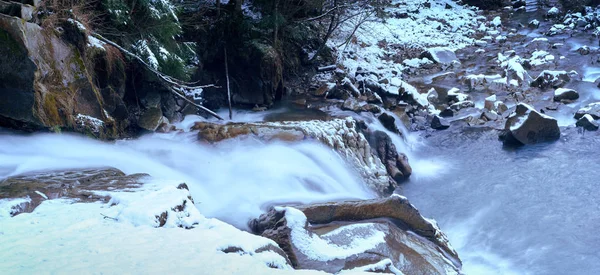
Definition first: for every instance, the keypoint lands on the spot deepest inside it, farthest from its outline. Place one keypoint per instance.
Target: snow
(417, 62)
(41, 194)
(78, 24)
(65, 237)
(85, 121)
(317, 248)
(553, 11)
(560, 91)
(373, 268)
(93, 42)
(496, 22)
(418, 31)
(456, 93)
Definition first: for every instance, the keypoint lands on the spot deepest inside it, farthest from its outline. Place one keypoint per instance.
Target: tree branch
(174, 85)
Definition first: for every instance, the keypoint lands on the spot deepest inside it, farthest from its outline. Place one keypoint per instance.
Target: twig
(228, 89)
(107, 217)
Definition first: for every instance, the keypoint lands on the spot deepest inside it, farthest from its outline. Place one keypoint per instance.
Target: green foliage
(151, 29)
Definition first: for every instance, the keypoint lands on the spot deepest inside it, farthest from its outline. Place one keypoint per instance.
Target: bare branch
(174, 85)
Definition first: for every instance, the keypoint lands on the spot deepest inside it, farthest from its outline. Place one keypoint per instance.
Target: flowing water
(531, 210)
(234, 181)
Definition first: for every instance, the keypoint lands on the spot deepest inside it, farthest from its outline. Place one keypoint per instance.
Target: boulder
(441, 55)
(439, 123)
(384, 224)
(447, 113)
(151, 119)
(592, 109)
(527, 126)
(587, 122)
(454, 95)
(490, 103)
(565, 94)
(389, 122)
(584, 50)
(554, 79)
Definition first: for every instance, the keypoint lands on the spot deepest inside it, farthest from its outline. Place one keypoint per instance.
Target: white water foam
(234, 181)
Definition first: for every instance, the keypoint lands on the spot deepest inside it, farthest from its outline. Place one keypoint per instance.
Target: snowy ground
(62, 236)
(377, 42)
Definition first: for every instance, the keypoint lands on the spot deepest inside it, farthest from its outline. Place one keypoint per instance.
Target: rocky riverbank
(524, 77)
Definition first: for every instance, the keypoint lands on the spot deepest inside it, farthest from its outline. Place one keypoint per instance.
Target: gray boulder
(587, 122)
(527, 126)
(561, 94)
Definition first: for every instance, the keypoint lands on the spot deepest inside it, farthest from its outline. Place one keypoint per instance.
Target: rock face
(527, 126)
(339, 134)
(382, 224)
(47, 82)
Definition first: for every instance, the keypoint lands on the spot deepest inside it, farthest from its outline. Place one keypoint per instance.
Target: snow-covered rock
(565, 94)
(548, 78)
(358, 241)
(527, 126)
(592, 109)
(587, 122)
(441, 55)
(454, 95)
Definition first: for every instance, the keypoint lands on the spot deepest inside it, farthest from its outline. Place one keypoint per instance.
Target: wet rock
(584, 50)
(396, 164)
(441, 55)
(587, 122)
(565, 94)
(371, 108)
(151, 119)
(527, 126)
(501, 108)
(439, 123)
(389, 122)
(554, 79)
(351, 104)
(432, 96)
(340, 224)
(74, 184)
(447, 113)
(592, 109)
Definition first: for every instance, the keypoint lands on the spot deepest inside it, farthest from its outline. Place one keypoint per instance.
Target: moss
(50, 107)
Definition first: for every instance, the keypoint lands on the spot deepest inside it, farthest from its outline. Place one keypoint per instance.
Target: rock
(151, 119)
(350, 87)
(554, 79)
(441, 55)
(371, 108)
(73, 184)
(587, 122)
(584, 50)
(340, 224)
(432, 96)
(325, 89)
(454, 95)
(534, 24)
(439, 123)
(489, 103)
(592, 109)
(351, 104)
(46, 82)
(489, 115)
(565, 94)
(396, 164)
(500, 107)
(447, 113)
(389, 122)
(462, 105)
(527, 126)
(496, 22)
(553, 12)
